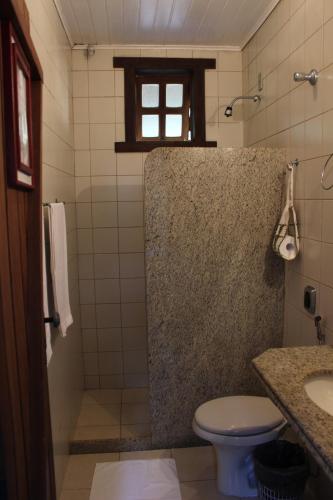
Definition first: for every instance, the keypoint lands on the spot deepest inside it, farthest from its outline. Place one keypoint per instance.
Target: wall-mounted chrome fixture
(90, 51)
(228, 109)
(311, 77)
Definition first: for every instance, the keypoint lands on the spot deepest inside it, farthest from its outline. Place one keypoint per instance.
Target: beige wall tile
(101, 83)
(104, 188)
(105, 240)
(107, 291)
(102, 136)
(130, 214)
(82, 163)
(108, 315)
(80, 84)
(81, 110)
(88, 316)
(131, 240)
(86, 266)
(327, 234)
(129, 164)
(109, 339)
(102, 110)
(133, 315)
(133, 290)
(104, 214)
(89, 339)
(102, 60)
(110, 363)
(79, 60)
(134, 338)
(103, 162)
(135, 362)
(87, 291)
(106, 266)
(90, 361)
(132, 265)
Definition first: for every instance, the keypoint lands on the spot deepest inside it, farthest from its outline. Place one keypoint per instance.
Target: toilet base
(235, 471)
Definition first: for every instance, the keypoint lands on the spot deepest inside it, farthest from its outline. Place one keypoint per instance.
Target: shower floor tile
(112, 420)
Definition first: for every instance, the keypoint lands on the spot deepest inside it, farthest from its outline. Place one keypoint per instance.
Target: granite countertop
(284, 371)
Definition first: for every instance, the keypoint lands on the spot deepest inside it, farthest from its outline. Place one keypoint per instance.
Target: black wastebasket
(281, 469)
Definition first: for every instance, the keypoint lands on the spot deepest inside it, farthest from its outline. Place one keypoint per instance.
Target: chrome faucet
(320, 335)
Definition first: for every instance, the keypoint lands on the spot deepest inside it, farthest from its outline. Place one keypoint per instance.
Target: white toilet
(235, 426)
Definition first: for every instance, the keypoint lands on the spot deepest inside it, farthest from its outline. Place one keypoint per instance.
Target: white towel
(46, 300)
(136, 480)
(59, 266)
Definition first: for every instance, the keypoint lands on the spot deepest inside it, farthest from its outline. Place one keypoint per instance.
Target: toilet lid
(238, 416)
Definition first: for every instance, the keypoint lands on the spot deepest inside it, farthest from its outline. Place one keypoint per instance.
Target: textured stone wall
(214, 286)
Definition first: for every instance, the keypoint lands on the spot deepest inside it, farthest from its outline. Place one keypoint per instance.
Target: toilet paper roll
(288, 249)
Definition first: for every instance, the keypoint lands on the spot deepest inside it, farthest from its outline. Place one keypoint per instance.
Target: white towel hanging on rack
(59, 265)
(286, 242)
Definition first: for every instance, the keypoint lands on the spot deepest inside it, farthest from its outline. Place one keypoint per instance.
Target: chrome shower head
(228, 109)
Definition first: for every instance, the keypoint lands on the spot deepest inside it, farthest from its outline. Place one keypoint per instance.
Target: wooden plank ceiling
(162, 22)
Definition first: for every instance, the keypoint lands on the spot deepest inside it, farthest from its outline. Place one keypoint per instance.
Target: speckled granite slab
(283, 372)
(214, 286)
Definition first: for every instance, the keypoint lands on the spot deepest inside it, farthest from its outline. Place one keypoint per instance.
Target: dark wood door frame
(25, 428)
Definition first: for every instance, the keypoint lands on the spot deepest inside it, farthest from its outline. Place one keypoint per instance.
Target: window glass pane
(173, 125)
(150, 95)
(150, 125)
(174, 95)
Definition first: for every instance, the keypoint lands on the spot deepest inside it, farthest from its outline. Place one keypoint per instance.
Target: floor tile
(136, 413)
(145, 455)
(102, 396)
(135, 395)
(202, 490)
(135, 431)
(75, 495)
(91, 432)
(94, 415)
(80, 469)
(195, 464)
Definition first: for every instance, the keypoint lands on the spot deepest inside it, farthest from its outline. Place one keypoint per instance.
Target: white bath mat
(136, 480)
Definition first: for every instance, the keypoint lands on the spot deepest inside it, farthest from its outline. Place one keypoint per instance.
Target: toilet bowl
(235, 426)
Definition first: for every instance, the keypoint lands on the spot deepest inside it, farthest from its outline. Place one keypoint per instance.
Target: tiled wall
(298, 36)
(109, 195)
(65, 368)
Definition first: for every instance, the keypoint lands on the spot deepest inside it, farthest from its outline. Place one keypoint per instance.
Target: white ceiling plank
(131, 20)
(174, 31)
(99, 19)
(147, 17)
(195, 16)
(115, 17)
(215, 11)
(83, 16)
(163, 22)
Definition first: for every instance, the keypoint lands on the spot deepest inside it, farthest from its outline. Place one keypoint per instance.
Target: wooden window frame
(138, 69)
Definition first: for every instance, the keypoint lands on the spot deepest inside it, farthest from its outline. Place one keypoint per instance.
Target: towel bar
(55, 320)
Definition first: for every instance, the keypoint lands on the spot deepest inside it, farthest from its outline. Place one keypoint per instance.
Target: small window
(162, 110)
(164, 102)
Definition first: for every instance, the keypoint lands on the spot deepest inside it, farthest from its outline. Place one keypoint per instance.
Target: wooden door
(25, 431)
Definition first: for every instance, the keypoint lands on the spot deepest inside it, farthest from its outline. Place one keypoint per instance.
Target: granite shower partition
(214, 285)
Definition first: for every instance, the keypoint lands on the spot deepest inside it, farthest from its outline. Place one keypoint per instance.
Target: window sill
(146, 146)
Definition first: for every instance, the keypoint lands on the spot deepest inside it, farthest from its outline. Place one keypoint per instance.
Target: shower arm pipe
(255, 98)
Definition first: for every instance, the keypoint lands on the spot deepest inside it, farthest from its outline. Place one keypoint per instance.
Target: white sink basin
(319, 388)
